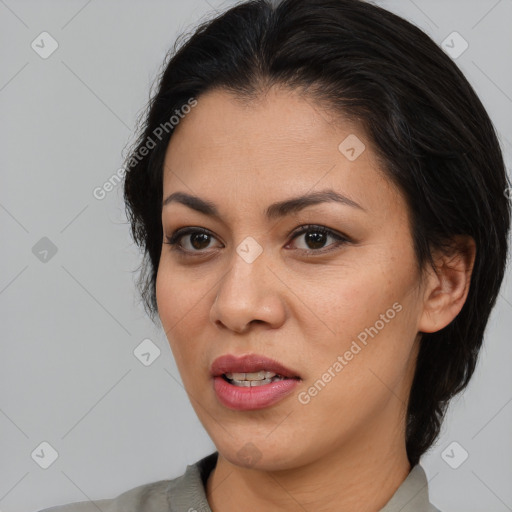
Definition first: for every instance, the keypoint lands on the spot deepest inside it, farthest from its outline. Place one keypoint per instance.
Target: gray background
(70, 323)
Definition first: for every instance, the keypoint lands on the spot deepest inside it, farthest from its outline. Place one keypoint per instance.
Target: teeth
(251, 383)
(253, 379)
(262, 375)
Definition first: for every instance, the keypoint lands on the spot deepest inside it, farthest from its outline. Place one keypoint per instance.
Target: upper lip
(250, 363)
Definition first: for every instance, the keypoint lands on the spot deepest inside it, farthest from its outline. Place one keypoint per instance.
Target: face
(327, 288)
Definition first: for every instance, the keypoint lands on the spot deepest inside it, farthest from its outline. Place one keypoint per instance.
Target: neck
(362, 475)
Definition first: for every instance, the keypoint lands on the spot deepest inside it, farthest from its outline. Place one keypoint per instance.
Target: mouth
(252, 381)
(251, 368)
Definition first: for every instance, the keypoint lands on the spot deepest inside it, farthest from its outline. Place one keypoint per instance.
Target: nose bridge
(246, 276)
(245, 292)
(248, 263)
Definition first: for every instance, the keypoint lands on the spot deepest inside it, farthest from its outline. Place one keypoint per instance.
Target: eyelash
(180, 233)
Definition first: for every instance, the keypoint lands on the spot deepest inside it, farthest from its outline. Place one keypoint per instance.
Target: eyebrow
(275, 210)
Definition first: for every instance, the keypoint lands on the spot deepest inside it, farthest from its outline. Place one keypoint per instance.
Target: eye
(199, 239)
(316, 237)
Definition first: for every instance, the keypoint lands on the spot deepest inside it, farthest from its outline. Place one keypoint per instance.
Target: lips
(251, 363)
(243, 384)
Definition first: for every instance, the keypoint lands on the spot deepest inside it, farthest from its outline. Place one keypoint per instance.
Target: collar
(187, 492)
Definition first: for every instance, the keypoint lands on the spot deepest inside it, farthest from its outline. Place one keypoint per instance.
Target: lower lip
(244, 398)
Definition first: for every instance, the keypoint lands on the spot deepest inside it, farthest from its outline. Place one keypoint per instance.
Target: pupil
(195, 236)
(315, 238)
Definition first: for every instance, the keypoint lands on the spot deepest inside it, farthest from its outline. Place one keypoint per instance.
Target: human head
(435, 143)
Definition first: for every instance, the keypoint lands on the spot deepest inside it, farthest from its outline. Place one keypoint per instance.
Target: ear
(446, 289)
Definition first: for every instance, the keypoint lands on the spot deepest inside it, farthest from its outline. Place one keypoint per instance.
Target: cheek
(182, 304)
(372, 319)
(351, 383)
(350, 301)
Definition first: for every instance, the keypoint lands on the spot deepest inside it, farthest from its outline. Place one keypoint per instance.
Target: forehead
(277, 118)
(276, 145)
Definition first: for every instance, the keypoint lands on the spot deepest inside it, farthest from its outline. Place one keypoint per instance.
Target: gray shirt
(186, 493)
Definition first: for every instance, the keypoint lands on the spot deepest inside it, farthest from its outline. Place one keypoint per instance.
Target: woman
(322, 203)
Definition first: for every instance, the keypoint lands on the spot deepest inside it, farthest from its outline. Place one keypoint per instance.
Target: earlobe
(446, 289)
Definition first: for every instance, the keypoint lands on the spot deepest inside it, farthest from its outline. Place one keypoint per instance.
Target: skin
(345, 449)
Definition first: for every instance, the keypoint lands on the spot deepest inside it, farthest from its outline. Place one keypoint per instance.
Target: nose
(248, 294)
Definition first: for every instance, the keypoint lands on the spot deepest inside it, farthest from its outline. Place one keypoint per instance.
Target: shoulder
(148, 497)
(412, 495)
(160, 496)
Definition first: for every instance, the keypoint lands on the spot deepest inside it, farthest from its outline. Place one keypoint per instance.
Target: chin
(259, 453)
